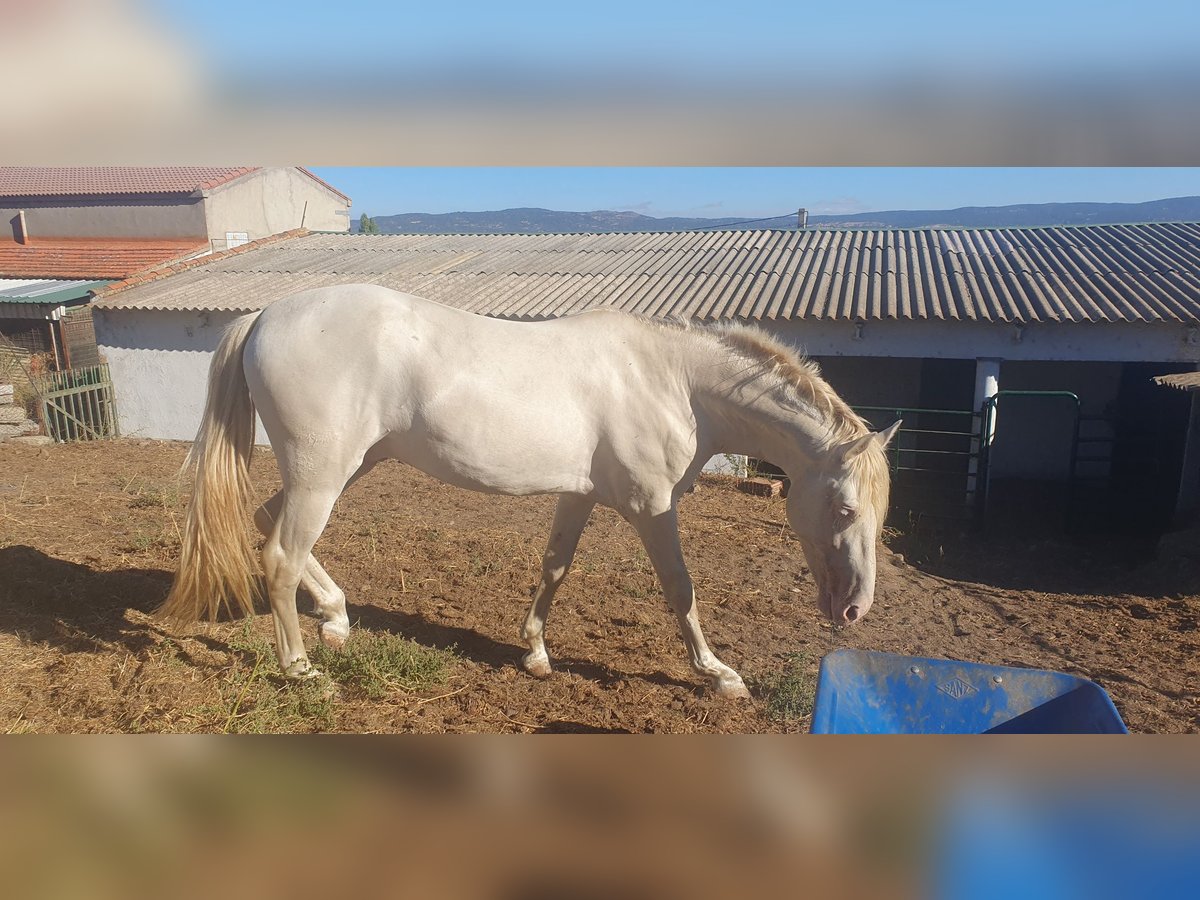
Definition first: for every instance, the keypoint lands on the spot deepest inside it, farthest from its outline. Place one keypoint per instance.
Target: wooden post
(54, 343)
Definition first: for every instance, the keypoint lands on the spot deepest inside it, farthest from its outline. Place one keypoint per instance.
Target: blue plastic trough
(863, 692)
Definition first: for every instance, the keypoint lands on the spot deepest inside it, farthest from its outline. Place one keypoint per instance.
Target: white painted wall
(727, 464)
(1125, 342)
(271, 201)
(172, 218)
(159, 363)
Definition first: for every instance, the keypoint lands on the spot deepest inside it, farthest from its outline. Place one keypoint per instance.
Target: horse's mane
(800, 374)
(802, 378)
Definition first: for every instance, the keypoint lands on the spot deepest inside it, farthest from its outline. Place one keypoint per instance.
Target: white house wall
(1124, 342)
(159, 364)
(271, 201)
(109, 218)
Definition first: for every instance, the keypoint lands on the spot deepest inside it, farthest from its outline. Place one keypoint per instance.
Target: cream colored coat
(601, 407)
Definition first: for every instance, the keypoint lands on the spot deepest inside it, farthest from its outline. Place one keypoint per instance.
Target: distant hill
(529, 220)
(1176, 209)
(544, 221)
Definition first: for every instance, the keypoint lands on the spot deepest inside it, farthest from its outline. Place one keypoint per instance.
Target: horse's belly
(491, 467)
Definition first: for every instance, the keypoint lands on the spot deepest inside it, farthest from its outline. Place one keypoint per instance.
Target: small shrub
(375, 663)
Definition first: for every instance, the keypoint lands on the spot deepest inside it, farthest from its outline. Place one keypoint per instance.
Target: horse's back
(481, 403)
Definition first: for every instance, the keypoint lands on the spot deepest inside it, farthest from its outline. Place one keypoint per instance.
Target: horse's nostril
(851, 613)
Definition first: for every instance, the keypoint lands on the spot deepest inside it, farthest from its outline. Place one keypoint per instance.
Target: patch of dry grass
(790, 692)
(255, 699)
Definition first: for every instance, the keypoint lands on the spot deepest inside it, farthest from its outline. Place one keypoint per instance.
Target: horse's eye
(846, 513)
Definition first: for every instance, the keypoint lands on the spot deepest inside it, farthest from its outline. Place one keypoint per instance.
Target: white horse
(600, 407)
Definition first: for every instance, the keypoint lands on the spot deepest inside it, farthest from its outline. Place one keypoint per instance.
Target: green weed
(790, 693)
(376, 663)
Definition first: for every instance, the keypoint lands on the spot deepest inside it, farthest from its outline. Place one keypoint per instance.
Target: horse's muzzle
(848, 611)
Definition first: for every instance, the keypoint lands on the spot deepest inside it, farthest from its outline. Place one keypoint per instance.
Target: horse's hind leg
(302, 517)
(569, 518)
(660, 535)
(329, 599)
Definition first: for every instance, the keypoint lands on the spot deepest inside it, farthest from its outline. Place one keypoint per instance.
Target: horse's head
(837, 510)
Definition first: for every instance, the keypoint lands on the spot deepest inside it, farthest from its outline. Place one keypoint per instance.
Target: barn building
(1020, 359)
(71, 230)
(53, 211)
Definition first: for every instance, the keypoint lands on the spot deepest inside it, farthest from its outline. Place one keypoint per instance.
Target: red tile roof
(39, 181)
(88, 258)
(42, 181)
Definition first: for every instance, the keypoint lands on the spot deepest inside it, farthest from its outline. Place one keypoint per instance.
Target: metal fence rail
(78, 404)
(933, 458)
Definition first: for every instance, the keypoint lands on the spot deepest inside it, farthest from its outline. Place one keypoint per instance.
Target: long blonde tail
(217, 560)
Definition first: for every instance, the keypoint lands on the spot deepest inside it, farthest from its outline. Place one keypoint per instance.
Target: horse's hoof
(302, 670)
(538, 666)
(732, 689)
(331, 638)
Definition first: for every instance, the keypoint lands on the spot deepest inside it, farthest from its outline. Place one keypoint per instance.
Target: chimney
(802, 218)
(21, 228)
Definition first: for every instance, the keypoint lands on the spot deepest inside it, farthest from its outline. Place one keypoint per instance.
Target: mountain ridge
(534, 220)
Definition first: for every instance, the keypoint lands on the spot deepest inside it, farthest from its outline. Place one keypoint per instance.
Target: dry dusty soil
(89, 535)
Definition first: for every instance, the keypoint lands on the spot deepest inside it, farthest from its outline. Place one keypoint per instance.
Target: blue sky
(692, 81)
(695, 36)
(748, 192)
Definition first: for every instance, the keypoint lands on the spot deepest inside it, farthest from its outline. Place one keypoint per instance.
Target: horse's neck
(745, 415)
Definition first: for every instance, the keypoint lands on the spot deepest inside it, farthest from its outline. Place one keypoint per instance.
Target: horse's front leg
(569, 518)
(660, 535)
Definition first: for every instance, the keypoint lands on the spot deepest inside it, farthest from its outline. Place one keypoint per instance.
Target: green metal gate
(987, 437)
(934, 459)
(941, 458)
(78, 404)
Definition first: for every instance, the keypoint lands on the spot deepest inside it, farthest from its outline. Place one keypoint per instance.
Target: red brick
(761, 487)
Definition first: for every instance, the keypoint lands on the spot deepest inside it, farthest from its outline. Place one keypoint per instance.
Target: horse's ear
(853, 448)
(881, 438)
(885, 437)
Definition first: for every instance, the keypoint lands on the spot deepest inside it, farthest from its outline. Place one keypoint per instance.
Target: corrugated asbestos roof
(1186, 381)
(1100, 273)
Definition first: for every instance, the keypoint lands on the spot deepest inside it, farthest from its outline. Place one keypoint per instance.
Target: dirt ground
(88, 537)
